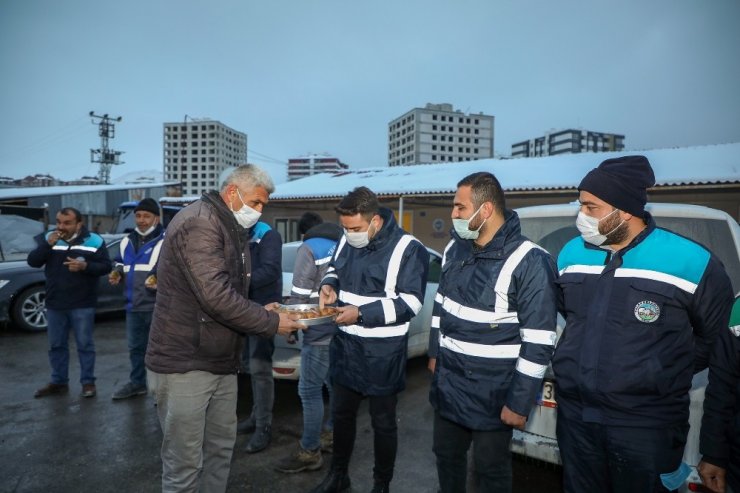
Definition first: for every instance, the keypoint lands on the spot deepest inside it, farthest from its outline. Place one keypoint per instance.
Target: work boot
(129, 390)
(335, 482)
(260, 440)
(380, 487)
(246, 426)
(327, 441)
(301, 460)
(52, 389)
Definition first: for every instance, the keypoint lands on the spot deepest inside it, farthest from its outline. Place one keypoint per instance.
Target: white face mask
(148, 231)
(462, 227)
(589, 228)
(358, 240)
(246, 216)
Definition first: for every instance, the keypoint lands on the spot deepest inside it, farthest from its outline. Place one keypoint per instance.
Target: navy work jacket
(639, 323)
(493, 329)
(386, 279)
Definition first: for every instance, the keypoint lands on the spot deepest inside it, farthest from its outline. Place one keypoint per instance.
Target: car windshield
(17, 237)
(551, 233)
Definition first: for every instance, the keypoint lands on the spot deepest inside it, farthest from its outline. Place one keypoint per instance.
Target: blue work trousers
(81, 321)
(618, 459)
(314, 375)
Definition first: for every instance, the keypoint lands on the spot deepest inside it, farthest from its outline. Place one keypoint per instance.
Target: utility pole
(104, 156)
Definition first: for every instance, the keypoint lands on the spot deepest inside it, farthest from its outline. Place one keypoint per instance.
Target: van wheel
(29, 309)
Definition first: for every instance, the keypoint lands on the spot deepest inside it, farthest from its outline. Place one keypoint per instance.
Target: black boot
(245, 426)
(381, 487)
(259, 440)
(335, 482)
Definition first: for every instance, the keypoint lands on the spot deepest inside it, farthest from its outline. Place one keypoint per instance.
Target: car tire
(29, 309)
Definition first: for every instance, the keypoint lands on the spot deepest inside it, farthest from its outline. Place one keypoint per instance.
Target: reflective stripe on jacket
(493, 327)
(387, 280)
(639, 324)
(137, 265)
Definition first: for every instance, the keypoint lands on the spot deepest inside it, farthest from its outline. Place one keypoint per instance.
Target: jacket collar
(386, 232)
(508, 232)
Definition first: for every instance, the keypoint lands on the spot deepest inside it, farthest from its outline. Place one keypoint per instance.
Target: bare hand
(509, 417)
(75, 265)
(54, 237)
(347, 315)
(288, 324)
(114, 278)
(432, 364)
(151, 282)
(712, 476)
(327, 296)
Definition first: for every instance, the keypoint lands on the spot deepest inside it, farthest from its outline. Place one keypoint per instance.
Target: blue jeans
(257, 359)
(314, 375)
(81, 320)
(137, 332)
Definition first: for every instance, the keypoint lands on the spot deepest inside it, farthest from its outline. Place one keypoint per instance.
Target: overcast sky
(321, 76)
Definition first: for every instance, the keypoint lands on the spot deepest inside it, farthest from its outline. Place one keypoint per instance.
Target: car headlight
(3, 282)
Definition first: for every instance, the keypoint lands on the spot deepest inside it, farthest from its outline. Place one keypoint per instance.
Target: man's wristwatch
(359, 317)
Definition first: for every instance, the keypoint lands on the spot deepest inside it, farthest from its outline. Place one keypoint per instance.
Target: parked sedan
(286, 361)
(22, 292)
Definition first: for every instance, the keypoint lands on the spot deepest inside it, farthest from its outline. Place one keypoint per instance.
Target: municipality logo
(647, 311)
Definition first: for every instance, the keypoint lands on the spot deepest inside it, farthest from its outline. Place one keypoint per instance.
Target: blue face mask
(462, 227)
(673, 480)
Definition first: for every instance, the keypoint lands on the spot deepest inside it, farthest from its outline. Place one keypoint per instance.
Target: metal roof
(712, 164)
(28, 192)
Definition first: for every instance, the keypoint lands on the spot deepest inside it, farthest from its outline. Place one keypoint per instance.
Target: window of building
(459, 139)
(434, 127)
(434, 157)
(434, 137)
(434, 147)
(475, 151)
(476, 131)
(475, 140)
(477, 121)
(434, 117)
(443, 137)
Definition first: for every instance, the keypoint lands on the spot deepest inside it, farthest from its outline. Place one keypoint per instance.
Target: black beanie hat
(621, 182)
(148, 205)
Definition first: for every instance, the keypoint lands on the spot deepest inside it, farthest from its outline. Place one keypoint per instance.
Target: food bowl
(310, 314)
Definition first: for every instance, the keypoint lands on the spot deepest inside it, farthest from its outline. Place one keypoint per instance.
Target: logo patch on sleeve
(647, 311)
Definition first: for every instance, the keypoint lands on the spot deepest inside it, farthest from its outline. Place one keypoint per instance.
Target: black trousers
(491, 457)
(383, 418)
(618, 459)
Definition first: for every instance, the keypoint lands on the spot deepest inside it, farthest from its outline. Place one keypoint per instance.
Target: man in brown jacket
(200, 317)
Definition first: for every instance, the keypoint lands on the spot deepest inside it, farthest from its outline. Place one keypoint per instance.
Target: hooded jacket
(386, 279)
(493, 329)
(202, 307)
(311, 264)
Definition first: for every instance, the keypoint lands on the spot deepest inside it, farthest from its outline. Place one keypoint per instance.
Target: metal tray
(308, 322)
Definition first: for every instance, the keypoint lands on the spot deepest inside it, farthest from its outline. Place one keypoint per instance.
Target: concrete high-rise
(312, 164)
(438, 133)
(568, 142)
(197, 151)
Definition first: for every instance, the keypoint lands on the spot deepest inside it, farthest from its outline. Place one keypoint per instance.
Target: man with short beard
(642, 307)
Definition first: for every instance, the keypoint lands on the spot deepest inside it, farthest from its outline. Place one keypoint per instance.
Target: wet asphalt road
(72, 444)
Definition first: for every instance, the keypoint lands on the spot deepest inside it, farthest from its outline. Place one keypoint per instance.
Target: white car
(286, 361)
(551, 226)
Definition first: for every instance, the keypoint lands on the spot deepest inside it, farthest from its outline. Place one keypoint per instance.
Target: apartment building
(439, 133)
(569, 141)
(312, 164)
(196, 151)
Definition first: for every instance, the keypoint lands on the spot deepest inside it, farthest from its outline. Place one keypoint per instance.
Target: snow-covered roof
(712, 164)
(23, 192)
